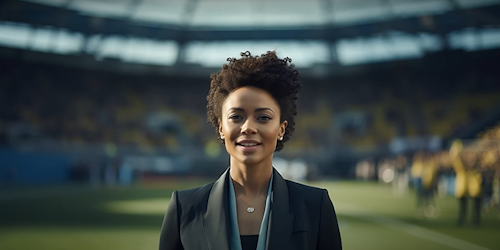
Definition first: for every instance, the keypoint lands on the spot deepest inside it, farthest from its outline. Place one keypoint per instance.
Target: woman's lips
(248, 148)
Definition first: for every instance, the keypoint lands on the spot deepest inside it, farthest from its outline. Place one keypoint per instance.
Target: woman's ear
(283, 128)
(221, 134)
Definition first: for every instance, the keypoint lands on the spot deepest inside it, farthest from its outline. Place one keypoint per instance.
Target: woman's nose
(248, 127)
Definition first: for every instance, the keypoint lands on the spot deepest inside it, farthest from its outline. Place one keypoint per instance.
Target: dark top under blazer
(301, 217)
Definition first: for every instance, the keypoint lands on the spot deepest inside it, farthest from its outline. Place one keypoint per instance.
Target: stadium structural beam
(327, 10)
(181, 53)
(132, 7)
(189, 10)
(327, 7)
(187, 17)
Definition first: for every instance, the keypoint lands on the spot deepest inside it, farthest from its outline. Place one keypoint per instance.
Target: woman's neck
(250, 181)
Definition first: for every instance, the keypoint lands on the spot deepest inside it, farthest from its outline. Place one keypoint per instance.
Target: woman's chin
(249, 159)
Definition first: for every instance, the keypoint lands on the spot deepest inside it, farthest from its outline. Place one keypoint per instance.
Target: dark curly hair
(276, 76)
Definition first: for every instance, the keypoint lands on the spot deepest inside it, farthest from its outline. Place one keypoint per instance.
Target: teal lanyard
(233, 213)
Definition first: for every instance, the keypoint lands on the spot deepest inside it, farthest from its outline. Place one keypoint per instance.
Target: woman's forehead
(249, 98)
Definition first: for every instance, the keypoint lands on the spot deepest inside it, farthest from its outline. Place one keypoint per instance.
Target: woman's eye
(235, 117)
(264, 118)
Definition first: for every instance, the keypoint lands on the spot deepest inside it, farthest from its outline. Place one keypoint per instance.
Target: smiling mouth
(248, 147)
(247, 144)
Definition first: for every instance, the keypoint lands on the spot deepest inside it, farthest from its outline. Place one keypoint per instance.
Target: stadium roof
(206, 32)
(261, 13)
(211, 20)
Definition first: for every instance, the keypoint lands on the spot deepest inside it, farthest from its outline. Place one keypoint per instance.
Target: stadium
(103, 115)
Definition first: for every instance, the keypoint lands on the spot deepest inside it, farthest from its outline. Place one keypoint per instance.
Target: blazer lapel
(216, 219)
(281, 219)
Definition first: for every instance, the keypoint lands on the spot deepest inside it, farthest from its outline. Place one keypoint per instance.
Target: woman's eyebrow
(236, 109)
(243, 110)
(263, 109)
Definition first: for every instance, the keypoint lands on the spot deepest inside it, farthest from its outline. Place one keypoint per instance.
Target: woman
(252, 105)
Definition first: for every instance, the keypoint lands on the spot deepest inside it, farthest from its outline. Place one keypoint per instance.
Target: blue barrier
(28, 168)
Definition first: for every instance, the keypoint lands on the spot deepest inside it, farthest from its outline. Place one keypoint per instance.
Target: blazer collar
(216, 218)
(281, 218)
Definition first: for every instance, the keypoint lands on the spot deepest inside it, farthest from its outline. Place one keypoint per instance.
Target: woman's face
(250, 125)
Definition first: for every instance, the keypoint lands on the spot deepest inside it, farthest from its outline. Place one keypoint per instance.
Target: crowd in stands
(77, 106)
(412, 107)
(95, 107)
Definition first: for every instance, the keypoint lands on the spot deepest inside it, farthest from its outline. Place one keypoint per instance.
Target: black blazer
(301, 217)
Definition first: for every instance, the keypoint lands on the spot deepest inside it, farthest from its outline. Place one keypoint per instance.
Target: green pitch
(77, 218)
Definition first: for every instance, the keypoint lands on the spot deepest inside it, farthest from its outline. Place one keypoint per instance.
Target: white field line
(414, 230)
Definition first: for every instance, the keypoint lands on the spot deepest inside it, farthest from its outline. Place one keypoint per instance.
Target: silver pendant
(250, 209)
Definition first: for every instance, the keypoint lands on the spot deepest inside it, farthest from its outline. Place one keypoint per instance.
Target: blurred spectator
(446, 175)
(386, 170)
(468, 182)
(416, 176)
(365, 169)
(402, 178)
(429, 184)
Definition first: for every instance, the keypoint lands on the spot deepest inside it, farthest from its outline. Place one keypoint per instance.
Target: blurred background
(103, 102)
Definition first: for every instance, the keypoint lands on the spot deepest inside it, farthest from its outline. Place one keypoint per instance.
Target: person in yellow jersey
(468, 181)
(429, 178)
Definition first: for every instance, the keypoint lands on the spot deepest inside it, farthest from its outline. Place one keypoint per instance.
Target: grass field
(78, 218)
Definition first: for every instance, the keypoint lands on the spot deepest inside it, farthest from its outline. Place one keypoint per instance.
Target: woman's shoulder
(194, 194)
(309, 197)
(305, 190)
(298, 185)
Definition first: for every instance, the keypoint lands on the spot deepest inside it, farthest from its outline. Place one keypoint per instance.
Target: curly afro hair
(276, 76)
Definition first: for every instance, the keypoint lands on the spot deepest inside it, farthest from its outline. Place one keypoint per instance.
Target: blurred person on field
(494, 199)
(487, 165)
(385, 166)
(401, 179)
(252, 105)
(446, 174)
(468, 181)
(416, 177)
(496, 189)
(424, 172)
(429, 184)
(365, 169)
